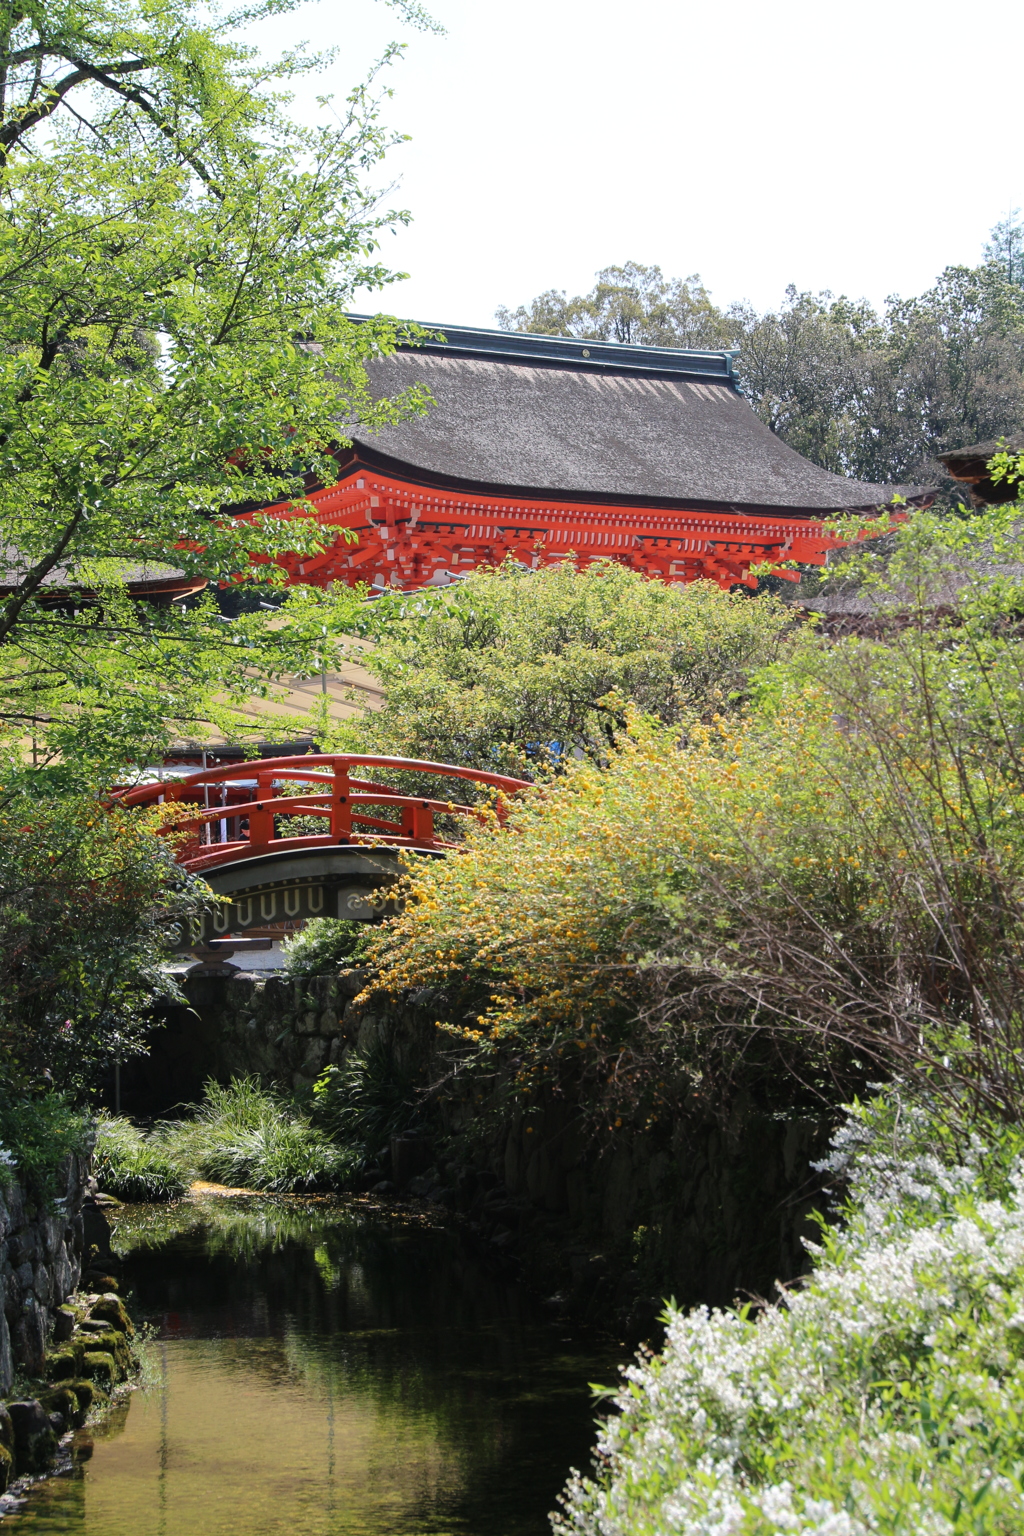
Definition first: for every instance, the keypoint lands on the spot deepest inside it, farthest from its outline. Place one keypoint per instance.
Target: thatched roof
(547, 417)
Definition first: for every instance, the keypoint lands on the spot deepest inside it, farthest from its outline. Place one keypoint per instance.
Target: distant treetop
(877, 397)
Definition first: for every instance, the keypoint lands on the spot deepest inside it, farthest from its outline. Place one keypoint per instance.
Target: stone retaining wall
(41, 1255)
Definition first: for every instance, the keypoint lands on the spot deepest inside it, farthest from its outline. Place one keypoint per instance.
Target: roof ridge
(579, 354)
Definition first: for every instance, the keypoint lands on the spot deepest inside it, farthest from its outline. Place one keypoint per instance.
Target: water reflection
(326, 1369)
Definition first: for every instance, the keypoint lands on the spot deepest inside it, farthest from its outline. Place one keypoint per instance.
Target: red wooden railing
(237, 809)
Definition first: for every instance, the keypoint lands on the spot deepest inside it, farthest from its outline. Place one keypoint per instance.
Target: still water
(322, 1369)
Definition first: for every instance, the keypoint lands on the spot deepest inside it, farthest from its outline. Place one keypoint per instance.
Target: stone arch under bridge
(289, 886)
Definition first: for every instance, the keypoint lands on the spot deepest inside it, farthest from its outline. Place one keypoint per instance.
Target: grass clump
(367, 1100)
(135, 1166)
(245, 1135)
(242, 1135)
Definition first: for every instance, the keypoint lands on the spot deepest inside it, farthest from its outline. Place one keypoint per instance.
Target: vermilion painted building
(540, 446)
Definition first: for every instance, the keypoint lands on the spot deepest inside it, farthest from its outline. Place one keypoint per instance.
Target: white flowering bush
(885, 1395)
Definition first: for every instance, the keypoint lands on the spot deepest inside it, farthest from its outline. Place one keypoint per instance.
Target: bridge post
(341, 804)
(261, 823)
(418, 822)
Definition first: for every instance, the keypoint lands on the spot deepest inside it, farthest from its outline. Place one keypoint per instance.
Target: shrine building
(541, 447)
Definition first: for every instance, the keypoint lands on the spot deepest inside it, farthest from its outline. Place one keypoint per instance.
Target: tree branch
(30, 116)
(138, 99)
(33, 581)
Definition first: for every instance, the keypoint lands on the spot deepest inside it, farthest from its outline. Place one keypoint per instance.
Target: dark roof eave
(970, 466)
(379, 463)
(167, 586)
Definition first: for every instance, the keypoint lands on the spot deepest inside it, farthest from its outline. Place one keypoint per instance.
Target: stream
(322, 1368)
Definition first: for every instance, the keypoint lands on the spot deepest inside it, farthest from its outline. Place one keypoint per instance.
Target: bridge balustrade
(237, 812)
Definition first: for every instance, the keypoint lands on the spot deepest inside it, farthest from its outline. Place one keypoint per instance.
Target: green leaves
(85, 896)
(176, 265)
(525, 669)
(784, 899)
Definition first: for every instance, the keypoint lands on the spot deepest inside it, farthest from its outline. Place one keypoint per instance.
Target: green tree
(177, 256)
(950, 372)
(511, 668)
(873, 396)
(1006, 246)
(86, 896)
(632, 303)
(803, 371)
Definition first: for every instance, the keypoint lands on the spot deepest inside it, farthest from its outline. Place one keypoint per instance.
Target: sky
(859, 148)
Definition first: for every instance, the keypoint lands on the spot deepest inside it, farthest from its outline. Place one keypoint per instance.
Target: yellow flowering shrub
(827, 881)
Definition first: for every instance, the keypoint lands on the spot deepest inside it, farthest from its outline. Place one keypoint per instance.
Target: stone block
(619, 1193)
(15, 1208)
(368, 1030)
(63, 1275)
(96, 1234)
(51, 1232)
(63, 1364)
(35, 1444)
(658, 1171)
(115, 1345)
(41, 1284)
(576, 1193)
(24, 1247)
(6, 1356)
(63, 1325)
(111, 1309)
(330, 1023)
(514, 1156)
(409, 1156)
(100, 1367)
(241, 989)
(63, 1402)
(311, 1065)
(28, 1336)
(85, 1392)
(351, 983)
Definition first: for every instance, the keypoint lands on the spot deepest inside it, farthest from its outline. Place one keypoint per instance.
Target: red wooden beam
(409, 537)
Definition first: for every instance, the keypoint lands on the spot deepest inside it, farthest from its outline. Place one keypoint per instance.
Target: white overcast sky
(859, 147)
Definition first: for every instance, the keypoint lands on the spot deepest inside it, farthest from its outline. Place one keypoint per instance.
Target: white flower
(921, 1292)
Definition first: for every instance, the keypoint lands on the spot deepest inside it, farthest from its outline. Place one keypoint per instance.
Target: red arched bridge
(248, 833)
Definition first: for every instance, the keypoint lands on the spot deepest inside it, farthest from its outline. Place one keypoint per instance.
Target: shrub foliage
(513, 669)
(323, 945)
(827, 881)
(86, 895)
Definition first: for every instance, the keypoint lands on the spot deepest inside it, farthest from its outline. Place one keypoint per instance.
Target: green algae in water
(322, 1369)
